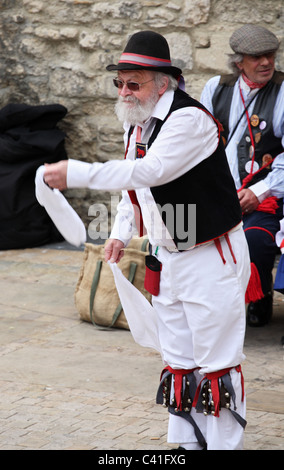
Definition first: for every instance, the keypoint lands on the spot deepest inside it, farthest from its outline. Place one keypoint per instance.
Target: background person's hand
(248, 201)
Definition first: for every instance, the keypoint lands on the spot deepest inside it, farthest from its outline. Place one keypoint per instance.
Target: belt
(176, 250)
(172, 250)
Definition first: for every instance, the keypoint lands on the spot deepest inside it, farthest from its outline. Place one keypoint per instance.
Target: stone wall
(56, 51)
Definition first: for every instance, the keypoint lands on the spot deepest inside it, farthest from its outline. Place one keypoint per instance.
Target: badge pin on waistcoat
(251, 167)
(140, 150)
(257, 137)
(254, 120)
(251, 152)
(262, 125)
(266, 159)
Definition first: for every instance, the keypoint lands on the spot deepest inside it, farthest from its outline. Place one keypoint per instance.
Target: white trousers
(201, 323)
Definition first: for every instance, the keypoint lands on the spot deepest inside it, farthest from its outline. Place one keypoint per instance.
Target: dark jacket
(267, 145)
(29, 137)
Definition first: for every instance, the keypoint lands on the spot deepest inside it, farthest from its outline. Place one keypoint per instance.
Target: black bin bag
(29, 137)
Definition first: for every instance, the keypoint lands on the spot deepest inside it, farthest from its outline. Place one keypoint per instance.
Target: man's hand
(248, 201)
(55, 174)
(114, 250)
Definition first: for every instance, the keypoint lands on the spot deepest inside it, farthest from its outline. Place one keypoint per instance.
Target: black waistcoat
(208, 189)
(267, 145)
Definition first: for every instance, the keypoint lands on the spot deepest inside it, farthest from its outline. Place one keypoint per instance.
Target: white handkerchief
(279, 237)
(140, 314)
(59, 210)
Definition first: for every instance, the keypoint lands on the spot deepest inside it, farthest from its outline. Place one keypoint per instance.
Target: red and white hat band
(143, 60)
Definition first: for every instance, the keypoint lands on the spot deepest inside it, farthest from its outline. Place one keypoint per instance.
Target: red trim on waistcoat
(133, 198)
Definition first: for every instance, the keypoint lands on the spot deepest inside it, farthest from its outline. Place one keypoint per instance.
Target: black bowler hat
(146, 50)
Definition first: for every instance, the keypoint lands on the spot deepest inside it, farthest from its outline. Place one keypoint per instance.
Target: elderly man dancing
(199, 266)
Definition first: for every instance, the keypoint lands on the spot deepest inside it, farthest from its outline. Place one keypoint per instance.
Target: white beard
(136, 113)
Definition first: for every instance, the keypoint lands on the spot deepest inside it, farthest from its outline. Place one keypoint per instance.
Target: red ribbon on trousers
(178, 373)
(214, 378)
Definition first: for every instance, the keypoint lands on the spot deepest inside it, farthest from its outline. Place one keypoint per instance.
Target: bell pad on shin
(177, 390)
(169, 397)
(209, 407)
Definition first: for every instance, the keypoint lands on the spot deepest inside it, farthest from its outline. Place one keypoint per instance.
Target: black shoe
(259, 313)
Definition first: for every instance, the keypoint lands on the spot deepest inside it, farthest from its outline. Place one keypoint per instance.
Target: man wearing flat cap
(176, 182)
(250, 106)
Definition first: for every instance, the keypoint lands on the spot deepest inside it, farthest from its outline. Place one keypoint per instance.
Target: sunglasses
(132, 86)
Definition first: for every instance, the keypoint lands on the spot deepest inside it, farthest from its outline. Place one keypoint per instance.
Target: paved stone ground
(67, 386)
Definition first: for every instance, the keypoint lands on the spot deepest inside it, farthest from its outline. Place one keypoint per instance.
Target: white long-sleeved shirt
(273, 184)
(187, 137)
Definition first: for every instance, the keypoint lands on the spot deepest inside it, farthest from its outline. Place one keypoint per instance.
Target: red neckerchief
(252, 85)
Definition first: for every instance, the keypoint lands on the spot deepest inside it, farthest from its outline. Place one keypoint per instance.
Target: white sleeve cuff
(78, 174)
(116, 232)
(261, 190)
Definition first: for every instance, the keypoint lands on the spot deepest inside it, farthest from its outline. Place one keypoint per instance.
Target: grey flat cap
(253, 40)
